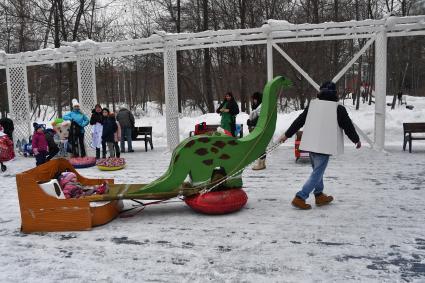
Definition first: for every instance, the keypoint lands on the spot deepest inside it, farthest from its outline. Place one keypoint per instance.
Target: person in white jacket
(324, 121)
(256, 99)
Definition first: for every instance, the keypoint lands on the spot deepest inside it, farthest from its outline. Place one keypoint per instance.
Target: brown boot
(323, 199)
(300, 203)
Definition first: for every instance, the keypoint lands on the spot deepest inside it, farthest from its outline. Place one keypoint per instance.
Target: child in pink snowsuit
(39, 144)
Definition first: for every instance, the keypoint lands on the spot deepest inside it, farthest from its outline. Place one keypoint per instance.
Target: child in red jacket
(39, 144)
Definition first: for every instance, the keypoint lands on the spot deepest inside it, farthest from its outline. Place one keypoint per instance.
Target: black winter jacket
(344, 122)
(109, 128)
(49, 135)
(96, 117)
(231, 105)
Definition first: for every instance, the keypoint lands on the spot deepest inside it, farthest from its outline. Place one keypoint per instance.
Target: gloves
(282, 139)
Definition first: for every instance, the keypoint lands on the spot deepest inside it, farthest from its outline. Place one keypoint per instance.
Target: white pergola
(270, 34)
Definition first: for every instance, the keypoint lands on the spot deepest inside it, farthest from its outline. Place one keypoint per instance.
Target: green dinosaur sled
(201, 156)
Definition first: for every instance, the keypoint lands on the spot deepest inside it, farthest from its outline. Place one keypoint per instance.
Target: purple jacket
(39, 141)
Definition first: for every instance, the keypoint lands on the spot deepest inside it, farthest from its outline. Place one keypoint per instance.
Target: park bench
(146, 132)
(412, 128)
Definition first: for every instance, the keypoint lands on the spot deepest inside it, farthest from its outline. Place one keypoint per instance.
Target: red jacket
(39, 141)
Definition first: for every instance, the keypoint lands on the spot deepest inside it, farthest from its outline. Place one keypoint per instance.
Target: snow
(373, 232)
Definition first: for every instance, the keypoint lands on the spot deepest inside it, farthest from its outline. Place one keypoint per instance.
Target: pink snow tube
(83, 162)
(220, 202)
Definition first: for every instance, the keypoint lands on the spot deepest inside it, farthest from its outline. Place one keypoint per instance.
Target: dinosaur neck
(266, 125)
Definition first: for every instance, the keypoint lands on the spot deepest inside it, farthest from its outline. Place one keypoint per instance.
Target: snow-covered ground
(373, 232)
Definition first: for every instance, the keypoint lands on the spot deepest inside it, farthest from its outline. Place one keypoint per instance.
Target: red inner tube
(220, 202)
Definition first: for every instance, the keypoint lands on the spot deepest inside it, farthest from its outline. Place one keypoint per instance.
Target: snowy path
(374, 231)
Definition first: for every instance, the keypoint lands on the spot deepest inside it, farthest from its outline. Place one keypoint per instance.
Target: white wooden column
(19, 108)
(171, 97)
(380, 88)
(86, 75)
(269, 59)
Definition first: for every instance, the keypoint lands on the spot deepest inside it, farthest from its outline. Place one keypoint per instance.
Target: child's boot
(300, 203)
(323, 199)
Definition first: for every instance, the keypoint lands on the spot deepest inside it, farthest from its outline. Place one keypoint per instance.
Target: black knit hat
(106, 109)
(328, 91)
(38, 126)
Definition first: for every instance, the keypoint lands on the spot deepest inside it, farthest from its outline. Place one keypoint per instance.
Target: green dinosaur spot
(232, 142)
(201, 151)
(217, 134)
(214, 149)
(219, 144)
(190, 143)
(224, 156)
(208, 162)
(204, 139)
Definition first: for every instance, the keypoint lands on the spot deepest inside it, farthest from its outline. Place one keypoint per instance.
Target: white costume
(97, 135)
(255, 113)
(321, 133)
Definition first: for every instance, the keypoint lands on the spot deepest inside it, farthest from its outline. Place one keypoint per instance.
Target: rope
(272, 148)
(141, 206)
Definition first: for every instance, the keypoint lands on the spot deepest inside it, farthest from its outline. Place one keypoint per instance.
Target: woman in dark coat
(228, 110)
(109, 129)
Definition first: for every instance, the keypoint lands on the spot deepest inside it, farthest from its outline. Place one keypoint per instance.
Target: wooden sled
(41, 212)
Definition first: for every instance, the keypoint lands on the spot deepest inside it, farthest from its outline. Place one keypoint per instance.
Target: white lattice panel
(86, 72)
(171, 97)
(17, 89)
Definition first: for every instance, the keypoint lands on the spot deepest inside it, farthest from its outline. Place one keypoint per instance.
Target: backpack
(6, 149)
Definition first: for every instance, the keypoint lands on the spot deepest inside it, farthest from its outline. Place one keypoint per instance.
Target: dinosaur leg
(200, 176)
(235, 182)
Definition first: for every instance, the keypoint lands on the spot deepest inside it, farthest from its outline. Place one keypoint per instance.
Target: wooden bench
(409, 129)
(213, 128)
(146, 132)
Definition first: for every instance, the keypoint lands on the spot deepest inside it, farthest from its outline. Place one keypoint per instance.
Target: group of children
(106, 132)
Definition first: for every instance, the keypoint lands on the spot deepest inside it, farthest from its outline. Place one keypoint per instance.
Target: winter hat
(57, 121)
(75, 102)
(106, 109)
(38, 126)
(328, 91)
(67, 177)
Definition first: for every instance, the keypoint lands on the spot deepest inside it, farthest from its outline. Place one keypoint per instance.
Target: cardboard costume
(322, 133)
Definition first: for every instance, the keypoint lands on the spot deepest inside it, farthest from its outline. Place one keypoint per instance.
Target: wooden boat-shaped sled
(41, 212)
